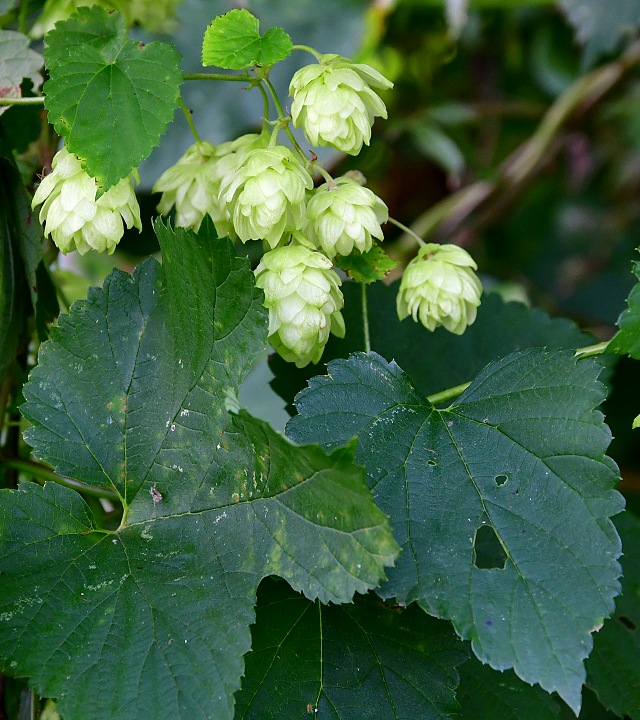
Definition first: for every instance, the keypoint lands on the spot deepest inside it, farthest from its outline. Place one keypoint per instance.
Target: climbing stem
(187, 114)
(284, 119)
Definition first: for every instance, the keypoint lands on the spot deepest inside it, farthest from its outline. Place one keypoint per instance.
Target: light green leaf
(153, 620)
(17, 61)
(501, 502)
(435, 144)
(627, 339)
(362, 661)
(366, 267)
(613, 668)
(233, 41)
(109, 97)
(600, 26)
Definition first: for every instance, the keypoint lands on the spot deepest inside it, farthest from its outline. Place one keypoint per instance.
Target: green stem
(365, 317)
(22, 17)
(331, 183)
(453, 392)
(265, 103)
(187, 114)
(218, 76)
(308, 49)
(592, 350)
(448, 394)
(42, 473)
(21, 101)
(407, 231)
(284, 121)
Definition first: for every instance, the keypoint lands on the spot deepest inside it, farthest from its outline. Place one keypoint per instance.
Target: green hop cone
(73, 217)
(343, 216)
(334, 103)
(265, 197)
(440, 287)
(302, 293)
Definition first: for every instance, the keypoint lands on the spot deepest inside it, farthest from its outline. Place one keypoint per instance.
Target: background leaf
(499, 329)
(17, 61)
(500, 502)
(233, 41)
(109, 97)
(485, 693)
(360, 661)
(600, 27)
(613, 668)
(627, 340)
(130, 395)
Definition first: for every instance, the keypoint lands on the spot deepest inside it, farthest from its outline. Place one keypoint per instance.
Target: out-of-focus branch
(519, 168)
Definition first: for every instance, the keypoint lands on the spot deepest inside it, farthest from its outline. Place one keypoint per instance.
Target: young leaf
(233, 41)
(613, 668)
(109, 97)
(153, 620)
(366, 267)
(627, 339)
(363, 660)
(17, 61)
(501, 501)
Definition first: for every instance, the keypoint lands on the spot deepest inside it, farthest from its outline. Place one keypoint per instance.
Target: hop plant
(192, 185)
(342, 216)
(334, 103)
(302, 293)
(73, 217)
(265, 198)
(439, 287)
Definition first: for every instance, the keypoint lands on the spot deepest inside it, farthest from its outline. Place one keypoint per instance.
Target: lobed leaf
(17, 61)
(130, 395)
(109, 97)
(627, 339)
(360, 661)
(501, 502)
(233, 42)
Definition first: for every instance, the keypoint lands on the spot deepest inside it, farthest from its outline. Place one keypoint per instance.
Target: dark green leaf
(233, 41)
(364, 661)
(109, 97)
(613, 668)
(518, 460)
(627, 339)
(434, 360)
(129, 394)
(366, 267)
(600, 26)
(485, 693)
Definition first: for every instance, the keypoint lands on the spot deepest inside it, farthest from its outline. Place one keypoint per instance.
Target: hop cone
(303, 296)
(334, 104)
(265, 198)
(73, 217)
(439, 287)
(344, 217)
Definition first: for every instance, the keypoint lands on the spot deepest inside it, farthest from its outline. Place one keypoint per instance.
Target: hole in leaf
(501, 479)
(627, 622)
(432, 463)
(488, 553)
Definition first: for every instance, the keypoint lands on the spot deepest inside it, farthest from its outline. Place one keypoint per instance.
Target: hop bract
(334, 103)
(439, 287)
(266, 196)
(342, 216)
(73, 217)
(302, 293)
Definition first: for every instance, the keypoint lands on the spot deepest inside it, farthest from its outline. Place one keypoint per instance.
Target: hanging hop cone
(192, 185)
(334, 104)
(344, 216)
(439, 287)
(266, 196)
(73, 217)
(302, 293)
